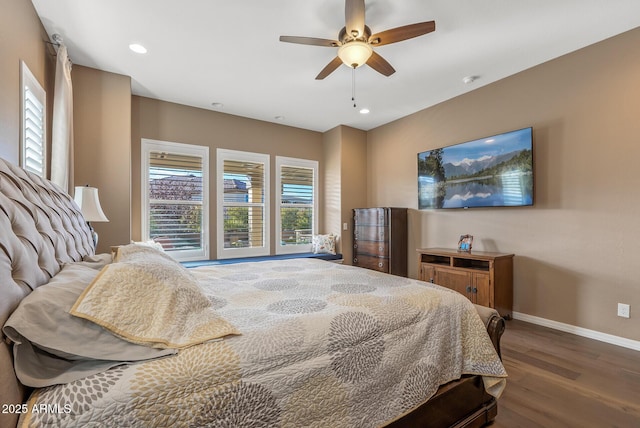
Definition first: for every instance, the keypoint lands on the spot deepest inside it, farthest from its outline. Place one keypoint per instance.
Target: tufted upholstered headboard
(40, 229)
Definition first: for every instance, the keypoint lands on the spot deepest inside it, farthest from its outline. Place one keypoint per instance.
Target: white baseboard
(579, 331)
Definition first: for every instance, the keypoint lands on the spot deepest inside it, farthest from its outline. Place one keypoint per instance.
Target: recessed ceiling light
(469, 79)
(364, 111)
(138, 48)
(217, 105)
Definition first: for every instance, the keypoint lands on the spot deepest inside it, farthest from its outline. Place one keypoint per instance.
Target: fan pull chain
(353, 86)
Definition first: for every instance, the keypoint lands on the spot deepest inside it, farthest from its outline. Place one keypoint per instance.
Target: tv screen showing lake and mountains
(494, 171)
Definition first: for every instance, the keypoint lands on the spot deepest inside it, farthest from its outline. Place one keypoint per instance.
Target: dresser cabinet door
(457, 280)
(474, 285)
(482, 290)
(427, 273)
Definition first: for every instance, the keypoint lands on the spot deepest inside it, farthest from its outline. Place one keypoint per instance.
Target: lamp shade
(355, 53)
(87, 199)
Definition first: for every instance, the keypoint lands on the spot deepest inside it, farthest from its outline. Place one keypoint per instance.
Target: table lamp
(87, 199)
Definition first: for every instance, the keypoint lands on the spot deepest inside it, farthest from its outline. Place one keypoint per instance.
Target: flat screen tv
(495, 171)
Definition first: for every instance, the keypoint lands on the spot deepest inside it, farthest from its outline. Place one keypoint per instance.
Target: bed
(140, 340)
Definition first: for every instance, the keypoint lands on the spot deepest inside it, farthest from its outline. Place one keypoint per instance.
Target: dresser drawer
(372, 262)
(371, 233)
(371, 216)
(374, 248)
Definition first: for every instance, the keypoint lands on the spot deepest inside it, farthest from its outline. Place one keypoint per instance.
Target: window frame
(28, 80)
(148, 146)
(223, 155)
(299, 163)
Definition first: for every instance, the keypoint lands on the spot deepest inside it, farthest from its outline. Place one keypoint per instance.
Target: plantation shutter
(33, 141)
(176, 200)
(244, 204)
(297, 210)
(33, 133)
(296, 205)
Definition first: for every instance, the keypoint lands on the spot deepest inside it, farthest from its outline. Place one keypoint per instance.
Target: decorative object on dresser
(380, 239)
(486, 278)
(465, 243)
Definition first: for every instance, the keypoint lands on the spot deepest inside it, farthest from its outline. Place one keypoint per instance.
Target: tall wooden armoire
(380, 239)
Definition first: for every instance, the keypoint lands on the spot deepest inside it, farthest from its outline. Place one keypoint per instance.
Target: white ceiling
(211, 51)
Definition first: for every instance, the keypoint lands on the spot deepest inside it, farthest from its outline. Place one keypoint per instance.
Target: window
(175, 211)
(243, 204)
(297, 206)
(33, 120)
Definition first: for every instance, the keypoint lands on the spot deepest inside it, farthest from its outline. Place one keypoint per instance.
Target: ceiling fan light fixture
(355, 53)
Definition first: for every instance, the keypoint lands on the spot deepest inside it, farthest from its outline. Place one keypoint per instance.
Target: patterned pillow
(324, 244)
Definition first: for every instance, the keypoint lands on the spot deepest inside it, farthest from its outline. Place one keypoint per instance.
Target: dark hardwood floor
(557, 379)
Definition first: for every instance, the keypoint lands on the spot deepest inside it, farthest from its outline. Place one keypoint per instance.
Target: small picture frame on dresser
(465, 243)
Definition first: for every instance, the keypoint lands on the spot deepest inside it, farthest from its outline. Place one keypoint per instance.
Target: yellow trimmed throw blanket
(322, 345)
(149, 299)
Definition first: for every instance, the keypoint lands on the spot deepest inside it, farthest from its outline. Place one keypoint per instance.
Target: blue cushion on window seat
(197, 263)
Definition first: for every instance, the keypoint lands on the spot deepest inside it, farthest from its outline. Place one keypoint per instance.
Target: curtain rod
(56, 43)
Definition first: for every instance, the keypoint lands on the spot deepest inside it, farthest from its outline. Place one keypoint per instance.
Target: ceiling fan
(355, 42)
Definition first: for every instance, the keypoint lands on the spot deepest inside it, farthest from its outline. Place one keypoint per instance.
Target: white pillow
(51, 346)
(149, 243)
(324, 244)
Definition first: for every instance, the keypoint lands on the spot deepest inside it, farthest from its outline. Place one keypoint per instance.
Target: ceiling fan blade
(380, 65)
(402, 33)
(330, 68)
(354, 17)
(310, 41)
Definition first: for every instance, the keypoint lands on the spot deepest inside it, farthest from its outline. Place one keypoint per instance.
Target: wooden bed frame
(41, 228)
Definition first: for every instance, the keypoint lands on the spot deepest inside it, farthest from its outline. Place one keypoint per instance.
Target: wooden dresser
(486, 278)
(380, 239)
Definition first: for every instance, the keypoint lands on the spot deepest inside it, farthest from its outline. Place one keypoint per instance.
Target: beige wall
(102, 147)
(354, 185)
(577, 247)
(332, 168)
(22, 37)
(159, 120)
(345, 155)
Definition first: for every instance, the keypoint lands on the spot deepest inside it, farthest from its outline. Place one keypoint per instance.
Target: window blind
(33, 141)
(176, 200)
(296, 205)
(244, 204)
